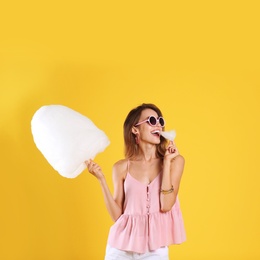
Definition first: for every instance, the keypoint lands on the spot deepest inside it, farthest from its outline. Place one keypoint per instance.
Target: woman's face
(147, 133)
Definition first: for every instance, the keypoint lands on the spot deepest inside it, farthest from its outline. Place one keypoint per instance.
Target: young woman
(145, 204)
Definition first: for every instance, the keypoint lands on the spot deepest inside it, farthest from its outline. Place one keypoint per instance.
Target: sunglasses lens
(152, 120)
(161, 121)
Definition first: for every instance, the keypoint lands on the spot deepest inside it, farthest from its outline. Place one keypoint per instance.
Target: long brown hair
(131, 148)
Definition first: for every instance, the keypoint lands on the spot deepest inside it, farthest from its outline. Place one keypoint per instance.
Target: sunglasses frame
(149, 122)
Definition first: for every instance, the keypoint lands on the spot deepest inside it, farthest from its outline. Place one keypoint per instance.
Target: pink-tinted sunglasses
(152, 120)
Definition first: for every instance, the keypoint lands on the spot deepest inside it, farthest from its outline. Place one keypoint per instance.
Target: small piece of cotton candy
(170, 135)
(66, 138)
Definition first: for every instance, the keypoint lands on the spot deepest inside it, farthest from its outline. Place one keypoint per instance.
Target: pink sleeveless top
(143, 227)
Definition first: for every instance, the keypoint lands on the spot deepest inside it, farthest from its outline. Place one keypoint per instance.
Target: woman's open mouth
(156, 133)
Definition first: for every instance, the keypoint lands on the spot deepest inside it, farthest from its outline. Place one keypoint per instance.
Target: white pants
(116, 254)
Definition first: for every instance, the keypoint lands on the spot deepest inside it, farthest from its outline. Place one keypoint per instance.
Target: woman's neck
(147, 153)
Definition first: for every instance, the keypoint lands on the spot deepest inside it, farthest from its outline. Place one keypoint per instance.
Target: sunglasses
(152, 120)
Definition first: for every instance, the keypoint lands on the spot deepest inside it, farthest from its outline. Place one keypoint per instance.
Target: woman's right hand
(94, 169)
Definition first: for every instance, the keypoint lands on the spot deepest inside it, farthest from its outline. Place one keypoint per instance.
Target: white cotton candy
(170, 135)
(66, 138)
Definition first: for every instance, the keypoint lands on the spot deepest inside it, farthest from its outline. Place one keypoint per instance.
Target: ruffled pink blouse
(143, 227)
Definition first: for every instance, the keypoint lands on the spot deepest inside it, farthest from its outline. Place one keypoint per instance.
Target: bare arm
(114, 204)
(173, 165)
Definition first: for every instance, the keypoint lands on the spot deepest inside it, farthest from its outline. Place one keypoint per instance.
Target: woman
(145, 204)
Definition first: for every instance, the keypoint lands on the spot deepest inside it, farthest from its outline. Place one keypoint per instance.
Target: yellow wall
(197, 60)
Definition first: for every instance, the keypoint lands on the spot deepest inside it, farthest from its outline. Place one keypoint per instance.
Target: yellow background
(197, 60)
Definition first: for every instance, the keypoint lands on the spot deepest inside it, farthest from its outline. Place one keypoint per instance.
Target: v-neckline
(128, 173)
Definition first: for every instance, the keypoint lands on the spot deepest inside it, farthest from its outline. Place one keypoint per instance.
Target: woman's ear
(134, 130)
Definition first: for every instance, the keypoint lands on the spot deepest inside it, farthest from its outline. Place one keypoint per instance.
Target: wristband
(167, 191)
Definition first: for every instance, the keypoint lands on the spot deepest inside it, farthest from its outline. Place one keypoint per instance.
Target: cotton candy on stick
(66, 138)
(170, 135)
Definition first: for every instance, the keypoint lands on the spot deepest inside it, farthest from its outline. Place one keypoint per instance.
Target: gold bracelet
(167, 191)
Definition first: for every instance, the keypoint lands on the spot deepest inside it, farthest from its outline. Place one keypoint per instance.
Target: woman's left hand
(171, 151)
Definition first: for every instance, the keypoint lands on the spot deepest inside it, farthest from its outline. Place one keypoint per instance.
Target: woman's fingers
(171, 147)
(94, 168)
(171, 150)
(90, 165)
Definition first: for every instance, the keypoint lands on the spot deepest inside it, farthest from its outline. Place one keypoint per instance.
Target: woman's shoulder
(120, 167)
(178, 162)
(180, 159)
(120, 163)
